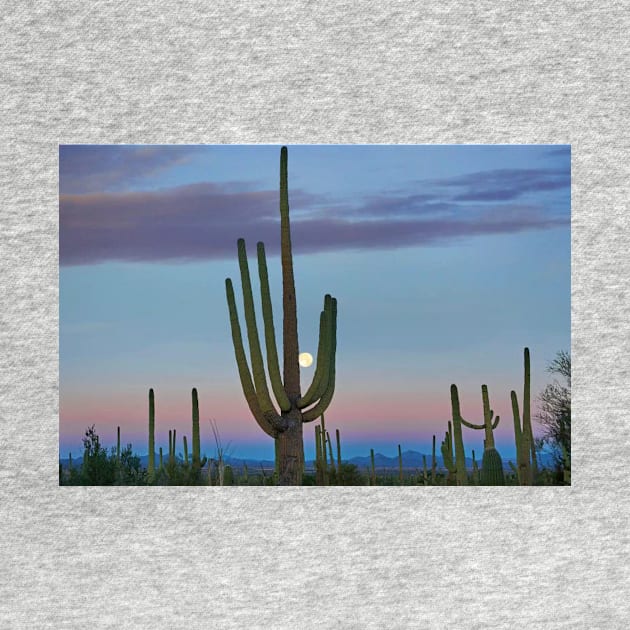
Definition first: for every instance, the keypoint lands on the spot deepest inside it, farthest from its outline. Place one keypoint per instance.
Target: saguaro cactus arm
(321, 364)
(487, 418)
(324, 401)
(320, 378)
(527, 419)
(258, 369)
(270, 425)
(270, 334)
(517, 421)
(488, 425)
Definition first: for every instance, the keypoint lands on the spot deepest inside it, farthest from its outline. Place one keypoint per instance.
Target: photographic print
(329, 315)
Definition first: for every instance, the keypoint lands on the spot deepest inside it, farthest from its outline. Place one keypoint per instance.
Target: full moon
(305, 359)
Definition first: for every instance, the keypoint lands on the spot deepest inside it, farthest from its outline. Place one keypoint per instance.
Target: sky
(446, 261)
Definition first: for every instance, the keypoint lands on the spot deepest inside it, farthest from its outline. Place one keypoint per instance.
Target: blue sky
(446, 261)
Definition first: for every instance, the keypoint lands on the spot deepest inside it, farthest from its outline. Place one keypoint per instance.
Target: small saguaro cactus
(433, 462)
(320, 458)
(493, 460)
(475, 470)
(461, 475)
(339, 468)
(447, 455)
(151, 465)
(323, 434)
(372, 468)
(172, 435)
(197, 462)
(330, 453)
(186, 452)
(523, 434)
(228, 476)
(284, 422)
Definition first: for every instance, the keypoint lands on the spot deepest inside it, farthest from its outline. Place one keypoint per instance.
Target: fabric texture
(300, 72)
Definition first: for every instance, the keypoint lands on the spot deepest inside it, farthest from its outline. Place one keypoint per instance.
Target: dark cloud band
(203, 221)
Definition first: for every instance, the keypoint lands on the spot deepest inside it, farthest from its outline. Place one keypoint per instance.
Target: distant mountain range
(412, 460)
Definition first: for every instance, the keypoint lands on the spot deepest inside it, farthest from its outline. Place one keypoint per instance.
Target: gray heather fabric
(301, 72)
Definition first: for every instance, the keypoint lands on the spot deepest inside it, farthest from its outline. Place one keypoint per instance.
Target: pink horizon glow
(413, 418)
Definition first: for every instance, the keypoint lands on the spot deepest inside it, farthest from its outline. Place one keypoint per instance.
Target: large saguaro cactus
(283, 423)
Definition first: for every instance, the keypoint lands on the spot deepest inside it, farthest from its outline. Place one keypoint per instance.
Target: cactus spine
(285, 425)
(151, 470)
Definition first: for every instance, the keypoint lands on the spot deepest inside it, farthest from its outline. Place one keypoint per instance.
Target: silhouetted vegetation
(119, 467)
(122, 467)
(555, 415)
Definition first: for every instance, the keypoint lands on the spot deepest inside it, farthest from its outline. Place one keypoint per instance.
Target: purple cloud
(203, 221)
(505, 184)
(97, 168)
